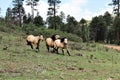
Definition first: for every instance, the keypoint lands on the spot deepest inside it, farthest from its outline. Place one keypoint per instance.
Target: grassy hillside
(19, 62)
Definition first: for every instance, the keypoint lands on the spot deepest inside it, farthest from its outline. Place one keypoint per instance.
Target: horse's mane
(53, 37)
(62, 39)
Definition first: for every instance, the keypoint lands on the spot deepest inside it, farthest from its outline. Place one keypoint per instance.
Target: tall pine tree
(116, 6)
(18, 11)
(52, 10)
(32, 4)
(116, 9)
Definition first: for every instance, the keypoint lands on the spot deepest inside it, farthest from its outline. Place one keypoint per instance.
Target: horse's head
(64, 40)
(41, 37)
(57, 37)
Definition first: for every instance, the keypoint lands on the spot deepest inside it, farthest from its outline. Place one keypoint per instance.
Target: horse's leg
(47, 47)
(68, 53)
(63, 51)
(37, 47)
(28, 43)
(53, 50)
(31, 45)
(57, 50)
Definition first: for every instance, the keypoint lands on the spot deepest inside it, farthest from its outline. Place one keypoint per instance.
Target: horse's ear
(39, 34)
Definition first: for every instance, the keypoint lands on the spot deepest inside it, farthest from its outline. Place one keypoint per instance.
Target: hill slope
(19, 62)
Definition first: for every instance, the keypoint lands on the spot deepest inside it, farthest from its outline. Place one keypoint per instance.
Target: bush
(49, 32)
(32, 29)
(35, 30)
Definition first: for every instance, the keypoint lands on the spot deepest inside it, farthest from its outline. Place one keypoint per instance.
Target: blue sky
(77, 8)
(95, 5)
(4, 4)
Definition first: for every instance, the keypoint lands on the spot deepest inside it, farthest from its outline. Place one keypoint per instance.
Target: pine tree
(116, 9)
(18, 10)
(8, 16)
(84, 29)
(32, 3)
(116, 6)
(52, 10)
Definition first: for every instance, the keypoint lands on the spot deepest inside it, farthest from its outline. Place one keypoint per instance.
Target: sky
(79, 9)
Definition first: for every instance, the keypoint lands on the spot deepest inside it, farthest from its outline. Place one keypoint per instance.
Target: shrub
(32, 29)
(49, 32)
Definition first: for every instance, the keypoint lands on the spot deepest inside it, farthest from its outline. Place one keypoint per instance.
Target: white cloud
(78, 2)
(42, 9)
(74, 8)
(88, 15)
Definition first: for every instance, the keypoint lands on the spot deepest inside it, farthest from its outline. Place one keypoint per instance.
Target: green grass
(20, 62)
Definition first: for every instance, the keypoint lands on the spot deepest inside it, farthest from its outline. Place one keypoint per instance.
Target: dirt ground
(113, 47)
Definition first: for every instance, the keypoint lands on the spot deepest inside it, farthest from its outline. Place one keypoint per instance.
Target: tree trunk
(54, 16)
(118, 8)
(118, 36)
(32, 10)
(19, 10)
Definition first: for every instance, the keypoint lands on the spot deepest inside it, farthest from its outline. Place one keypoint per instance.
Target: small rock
(71, 68)
(109, 78)
(79, 54)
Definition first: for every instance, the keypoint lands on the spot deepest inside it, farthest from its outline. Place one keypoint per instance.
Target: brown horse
(61, 43)
(50, 41)
(31, 39)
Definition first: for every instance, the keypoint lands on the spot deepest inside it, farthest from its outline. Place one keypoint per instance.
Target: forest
(102, 28)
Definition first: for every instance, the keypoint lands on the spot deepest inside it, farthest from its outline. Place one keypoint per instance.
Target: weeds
(89, 61)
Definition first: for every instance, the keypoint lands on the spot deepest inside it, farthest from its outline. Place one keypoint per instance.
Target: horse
(34, 40)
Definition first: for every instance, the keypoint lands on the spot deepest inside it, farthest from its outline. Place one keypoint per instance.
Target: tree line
(102, 28)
